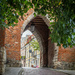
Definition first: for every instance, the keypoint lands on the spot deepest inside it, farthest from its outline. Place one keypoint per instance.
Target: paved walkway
(37, 71)
(12, 71)
(71, 72)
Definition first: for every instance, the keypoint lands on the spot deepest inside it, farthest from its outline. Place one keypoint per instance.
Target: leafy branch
(62, 12)
(35, 45)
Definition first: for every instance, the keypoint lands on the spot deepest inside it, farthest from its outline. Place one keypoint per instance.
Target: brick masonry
(51, 55)
(12, 43)
(66, 57)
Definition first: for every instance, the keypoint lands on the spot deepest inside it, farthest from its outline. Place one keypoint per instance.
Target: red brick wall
(13, 37)
(67, 54)
(12, 42)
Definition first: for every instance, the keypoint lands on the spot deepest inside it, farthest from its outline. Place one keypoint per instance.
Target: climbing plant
(60, 12)
(35, 45)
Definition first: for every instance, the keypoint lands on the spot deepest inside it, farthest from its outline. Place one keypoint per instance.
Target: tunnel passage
(42, 32)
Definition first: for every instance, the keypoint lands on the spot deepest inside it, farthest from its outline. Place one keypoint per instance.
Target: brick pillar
(2, 48)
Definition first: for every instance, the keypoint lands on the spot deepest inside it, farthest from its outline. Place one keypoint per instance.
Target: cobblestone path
(39, 71)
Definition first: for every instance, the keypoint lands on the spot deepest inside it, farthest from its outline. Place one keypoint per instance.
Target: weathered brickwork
(67, 57)
(12, 43)
(51, 55)
(51, 58)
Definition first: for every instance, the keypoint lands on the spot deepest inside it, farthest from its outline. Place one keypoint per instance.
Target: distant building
(23, 42)
(28, 55)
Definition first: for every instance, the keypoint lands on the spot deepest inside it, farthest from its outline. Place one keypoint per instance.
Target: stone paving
(12, 71)
(37, 71)
(70, 72)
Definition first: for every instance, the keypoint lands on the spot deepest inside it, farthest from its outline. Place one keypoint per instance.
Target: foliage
(62, 12)
(23, 57)
(35, 45)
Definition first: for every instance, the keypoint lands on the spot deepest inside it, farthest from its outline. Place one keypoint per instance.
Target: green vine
(62, 12)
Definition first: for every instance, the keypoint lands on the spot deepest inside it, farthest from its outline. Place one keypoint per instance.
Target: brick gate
(51, 55)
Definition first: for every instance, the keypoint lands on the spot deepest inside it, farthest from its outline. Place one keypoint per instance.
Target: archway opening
(42, 32)
(30, 50)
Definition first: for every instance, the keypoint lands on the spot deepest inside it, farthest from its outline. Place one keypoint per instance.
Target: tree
(35, 45)
(62, 12)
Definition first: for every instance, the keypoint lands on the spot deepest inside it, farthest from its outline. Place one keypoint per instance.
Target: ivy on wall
(62, 12)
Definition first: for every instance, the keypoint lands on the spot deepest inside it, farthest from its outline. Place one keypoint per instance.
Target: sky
(27, 32)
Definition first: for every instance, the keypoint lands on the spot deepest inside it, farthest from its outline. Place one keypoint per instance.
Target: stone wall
(13, 63)
(2, 60)
(2, 51)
